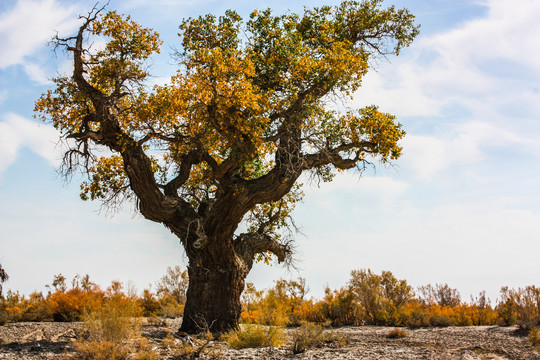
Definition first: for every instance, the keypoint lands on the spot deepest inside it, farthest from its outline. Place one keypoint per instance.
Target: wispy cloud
(477, 66)
(475, 84)
(27, 27)
(17, 132)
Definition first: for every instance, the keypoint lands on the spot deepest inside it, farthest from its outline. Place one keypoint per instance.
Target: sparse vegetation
(368, 299)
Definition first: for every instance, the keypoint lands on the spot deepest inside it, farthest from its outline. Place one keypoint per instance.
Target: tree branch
(188, 160)
(247, 245)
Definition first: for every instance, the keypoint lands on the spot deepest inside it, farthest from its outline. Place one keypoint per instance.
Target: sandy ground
(54, 340)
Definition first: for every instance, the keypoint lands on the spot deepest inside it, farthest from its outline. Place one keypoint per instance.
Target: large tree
(225, 141)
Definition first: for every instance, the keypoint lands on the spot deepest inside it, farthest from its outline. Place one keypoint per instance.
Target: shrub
(379, 297)
(534, 337)
(338, 306)
(170, 308)
(149, 304)
(418, 318)
(521, 306)
(283, 304)
(397, 334)
(308, 311)
(4, 317)
(113, 330)
(440, 320)
(71, 305)
(255, 336)
(311, 335)
(100, 350)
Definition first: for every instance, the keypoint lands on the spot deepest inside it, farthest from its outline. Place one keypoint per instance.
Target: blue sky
(462, 205)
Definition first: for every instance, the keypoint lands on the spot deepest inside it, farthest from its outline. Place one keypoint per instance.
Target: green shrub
(255, 336)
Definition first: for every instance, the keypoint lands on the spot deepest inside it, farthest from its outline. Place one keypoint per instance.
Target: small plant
(255, 336)
(311, 335)
(397, 334)
(534, 337)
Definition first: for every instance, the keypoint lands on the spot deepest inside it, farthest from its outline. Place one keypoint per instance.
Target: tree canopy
(228, 137)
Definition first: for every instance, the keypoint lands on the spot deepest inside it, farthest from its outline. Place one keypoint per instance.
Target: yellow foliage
(249, 98)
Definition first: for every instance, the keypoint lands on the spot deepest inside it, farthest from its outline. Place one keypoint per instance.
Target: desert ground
(54, 341)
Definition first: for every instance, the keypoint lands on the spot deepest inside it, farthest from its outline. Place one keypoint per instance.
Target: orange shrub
(308, 311)
(71, 305)
(149, 304)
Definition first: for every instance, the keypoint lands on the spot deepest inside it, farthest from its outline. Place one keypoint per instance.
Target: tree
(227, 140)
(3, 278)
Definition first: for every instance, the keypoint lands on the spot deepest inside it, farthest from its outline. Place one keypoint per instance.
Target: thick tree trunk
(213, 296)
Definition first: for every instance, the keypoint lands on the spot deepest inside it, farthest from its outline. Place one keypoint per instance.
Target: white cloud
(475, 84)
(429, 155)
(509, 31)
(27, 27)
(481, 66)
(36, 73)
(425, 155)
(17, 132)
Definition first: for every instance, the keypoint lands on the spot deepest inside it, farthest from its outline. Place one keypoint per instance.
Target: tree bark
(213, 295)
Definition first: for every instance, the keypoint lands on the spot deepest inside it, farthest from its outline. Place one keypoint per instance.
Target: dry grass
(192, 347)
(311, 335)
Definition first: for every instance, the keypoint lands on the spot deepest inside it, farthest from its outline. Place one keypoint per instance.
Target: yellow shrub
(255, 336)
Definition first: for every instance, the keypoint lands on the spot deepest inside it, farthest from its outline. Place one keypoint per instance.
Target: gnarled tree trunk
(213, 296)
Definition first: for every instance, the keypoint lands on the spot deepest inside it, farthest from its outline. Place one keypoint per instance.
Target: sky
(461, 206)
